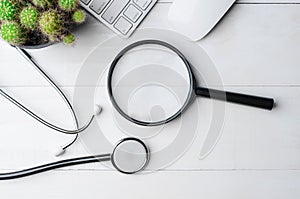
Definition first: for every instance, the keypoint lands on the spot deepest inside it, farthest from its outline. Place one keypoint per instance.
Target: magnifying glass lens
(130, 156)
(150, 84)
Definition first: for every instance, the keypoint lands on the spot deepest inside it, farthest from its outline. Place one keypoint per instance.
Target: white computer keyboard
(121, 16)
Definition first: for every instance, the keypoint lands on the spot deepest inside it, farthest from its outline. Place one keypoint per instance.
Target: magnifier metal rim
(115, 62)
(147, 151)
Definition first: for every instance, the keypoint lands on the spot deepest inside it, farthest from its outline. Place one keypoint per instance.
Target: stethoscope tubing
(55, 165)
(50, 81)
(58, 164)
(59, 91)
(41, 120)
(81, 160)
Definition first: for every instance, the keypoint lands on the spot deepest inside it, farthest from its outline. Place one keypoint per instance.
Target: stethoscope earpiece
(97, 109)
(62, 149)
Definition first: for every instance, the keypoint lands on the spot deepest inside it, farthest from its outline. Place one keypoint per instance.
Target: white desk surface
(255, 48)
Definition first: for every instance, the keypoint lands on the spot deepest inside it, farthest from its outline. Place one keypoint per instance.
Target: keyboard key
(133, 13)
(123, 25)
(98, 5)
(85, 1)
(143, 4)
(114, 10)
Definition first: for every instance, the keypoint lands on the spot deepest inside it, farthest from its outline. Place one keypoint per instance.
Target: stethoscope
(62, 149)
(130, 155)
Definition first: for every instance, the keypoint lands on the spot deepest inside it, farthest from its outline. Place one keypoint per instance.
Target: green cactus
(8, 9)
(13, 33)
(29, 17)
(68, 5)
(51, 23)
(69, 39)
(79, 16)
(34, 22)
(43, 3)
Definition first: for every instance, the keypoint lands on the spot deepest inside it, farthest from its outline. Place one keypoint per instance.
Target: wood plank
(258, 42)
(251, 138)
(177, 185)
(256, 157)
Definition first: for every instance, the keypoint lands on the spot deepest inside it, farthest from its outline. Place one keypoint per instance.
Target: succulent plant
(36, 22)
(29, 17)
(79, 16)
(13, 33)
(9, 9)
(68, 5)
(51, 23)
(43, 3)
(69, 39)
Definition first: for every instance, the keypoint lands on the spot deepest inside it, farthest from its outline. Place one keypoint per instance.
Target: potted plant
(39, 23)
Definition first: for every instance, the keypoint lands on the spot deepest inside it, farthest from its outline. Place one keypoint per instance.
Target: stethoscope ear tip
(60, 152)
(62, 149)
(97, 109)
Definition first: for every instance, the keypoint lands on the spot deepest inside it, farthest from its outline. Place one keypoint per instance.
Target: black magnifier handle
(243, 99)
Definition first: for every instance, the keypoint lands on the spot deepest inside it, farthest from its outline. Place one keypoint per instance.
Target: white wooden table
(255, 48)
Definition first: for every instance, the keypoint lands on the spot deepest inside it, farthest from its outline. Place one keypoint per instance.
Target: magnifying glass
(130, 156)
(151, 83)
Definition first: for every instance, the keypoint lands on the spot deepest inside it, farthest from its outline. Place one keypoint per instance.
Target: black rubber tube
(54, 165)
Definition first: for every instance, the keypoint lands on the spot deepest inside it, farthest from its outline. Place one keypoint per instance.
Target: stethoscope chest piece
(130, 156)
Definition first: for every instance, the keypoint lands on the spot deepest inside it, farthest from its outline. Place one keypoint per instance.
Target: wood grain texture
(247, 42)
(177, 185)
(255, 49)
(251, 138)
